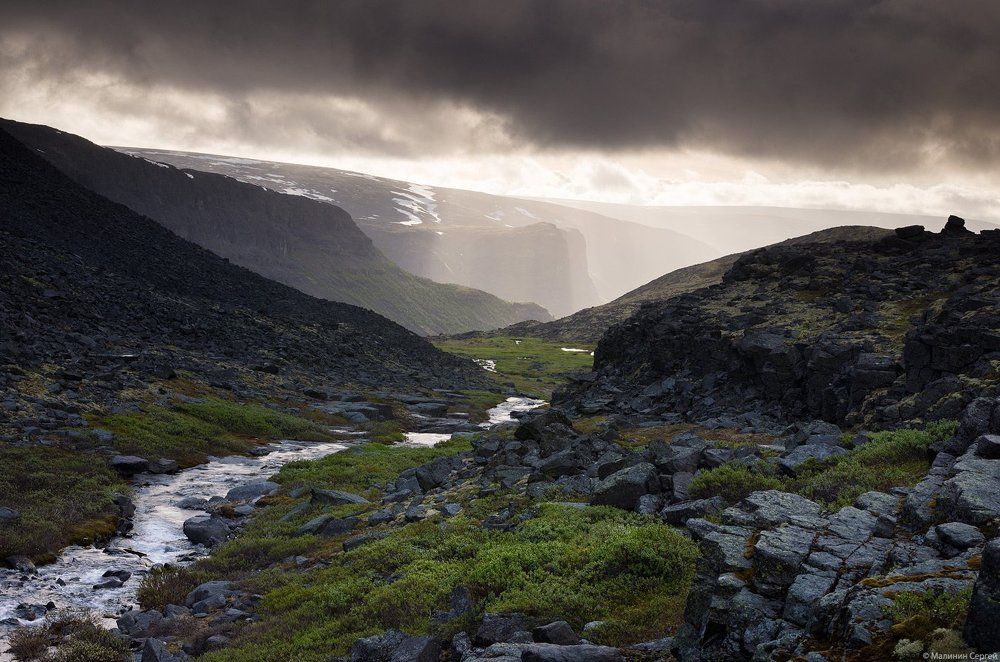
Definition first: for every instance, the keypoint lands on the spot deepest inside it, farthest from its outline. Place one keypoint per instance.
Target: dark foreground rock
(982, 629)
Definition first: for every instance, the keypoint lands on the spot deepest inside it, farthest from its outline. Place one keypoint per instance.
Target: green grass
(534, 366)
(63, 497)
(924, 623)
(943, 609)
(588, 564)
(360, 468)
(64, 493)
(733, 482)
(192, 431)
(580, 565)
(891, 459)
(385, 432)
(78, 640)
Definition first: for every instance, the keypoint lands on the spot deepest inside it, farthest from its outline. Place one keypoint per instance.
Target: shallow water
(502, 413)
(156, 537)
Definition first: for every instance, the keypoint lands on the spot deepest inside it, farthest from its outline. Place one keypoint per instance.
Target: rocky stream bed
(102, 581)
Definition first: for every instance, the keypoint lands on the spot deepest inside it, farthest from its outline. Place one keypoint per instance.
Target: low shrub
(575, 564)
(733, 482)
(76, 639)
(27, 644)
(891, 459)
(385, 432)
(166, 585)
(944, 609)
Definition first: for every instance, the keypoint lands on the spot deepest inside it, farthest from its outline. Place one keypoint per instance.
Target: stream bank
(102, 582)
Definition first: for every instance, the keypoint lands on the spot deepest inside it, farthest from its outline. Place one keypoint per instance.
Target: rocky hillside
(884, 331)
(485, 241)
(588, 325)
(90, 287)
(303, 243)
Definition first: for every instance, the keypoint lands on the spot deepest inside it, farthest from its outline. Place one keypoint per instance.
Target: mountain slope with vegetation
(705, 515)
(855, 330)
(588, 325)
(121, 338)
(303, 243)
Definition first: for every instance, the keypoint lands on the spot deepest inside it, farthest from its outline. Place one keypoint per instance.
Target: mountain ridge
(869, 331)
(314, 247)
(588, 325)
(449, 234)
(169, 288)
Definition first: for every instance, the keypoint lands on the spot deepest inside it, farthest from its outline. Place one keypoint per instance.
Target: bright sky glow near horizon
(638, 103)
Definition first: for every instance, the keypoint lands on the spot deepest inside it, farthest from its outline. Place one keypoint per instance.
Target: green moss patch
(63, 497)
(191, 431)
(891, 459)
(577, 564)
(361, 468)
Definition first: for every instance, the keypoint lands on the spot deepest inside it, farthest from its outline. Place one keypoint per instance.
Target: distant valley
(561, 258)
(303, 243)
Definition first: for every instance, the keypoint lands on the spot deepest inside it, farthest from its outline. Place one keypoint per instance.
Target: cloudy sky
(892, 105)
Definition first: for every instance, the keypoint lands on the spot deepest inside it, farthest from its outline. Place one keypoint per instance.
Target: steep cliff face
(452, 235)
(851, 331)
(304, 243)
(537, 262)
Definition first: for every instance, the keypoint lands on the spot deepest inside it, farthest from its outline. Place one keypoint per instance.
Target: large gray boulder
(959, 536)
(577, 653)
(252, 491)
(623, 488)
(207, 530)
(559, 633)
(8, 516)
(327, 525)
(129, 465)
(972, 494)
(336, 497)
(209, 589)
(163, 466)
(778, 556)
(771, 508)
(395, 646)
(498, 628)
(155, 650)
(793, 461)
(137, 623)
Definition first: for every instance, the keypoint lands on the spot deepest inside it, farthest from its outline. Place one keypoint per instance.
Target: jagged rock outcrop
(779, 577)
(982, 628)
(878, 332)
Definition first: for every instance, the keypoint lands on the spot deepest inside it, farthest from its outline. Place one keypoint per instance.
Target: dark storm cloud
(856, 83)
